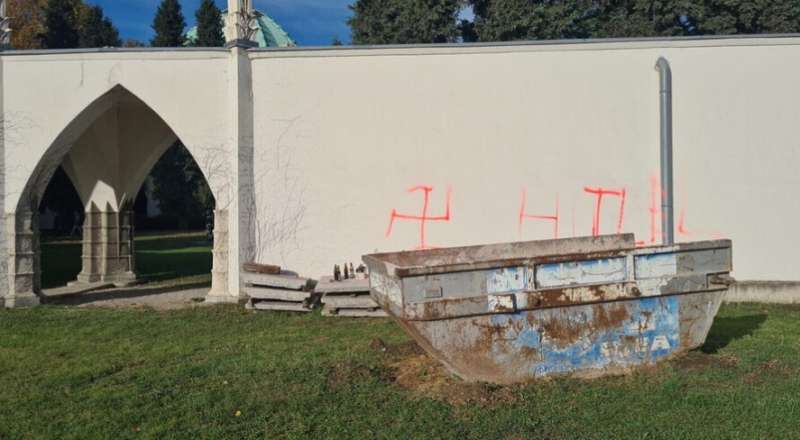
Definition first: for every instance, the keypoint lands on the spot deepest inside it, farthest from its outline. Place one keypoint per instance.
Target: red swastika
(599, 194)
(523, 215)
(424, 218)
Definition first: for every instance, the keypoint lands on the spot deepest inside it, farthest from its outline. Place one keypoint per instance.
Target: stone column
(5, 27)
(229, 230)
(108, 250)
(219, 292)
(23, 260)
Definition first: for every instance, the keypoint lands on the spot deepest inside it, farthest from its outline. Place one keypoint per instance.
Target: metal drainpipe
(667, 213)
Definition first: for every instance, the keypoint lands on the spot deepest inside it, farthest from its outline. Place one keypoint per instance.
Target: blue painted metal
(587, 307)
(650, 332)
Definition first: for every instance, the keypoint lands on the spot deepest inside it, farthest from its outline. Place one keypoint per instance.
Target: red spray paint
(600, 193)
(523, 215)
(424, 218)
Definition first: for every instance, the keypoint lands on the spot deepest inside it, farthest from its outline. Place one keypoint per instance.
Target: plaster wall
(341, 136)
(109, 162)
(75, 105)
(45, 93)
(317, 157)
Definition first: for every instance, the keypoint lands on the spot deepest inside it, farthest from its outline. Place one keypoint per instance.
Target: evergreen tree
(503, 20)
(209, 25)
(61, 25)
(404, 21)
(96, 30)
(132, 42)
(178, 185)
(750, 16)
(168, 25)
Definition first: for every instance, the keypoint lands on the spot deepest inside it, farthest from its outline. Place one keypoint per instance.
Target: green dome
(269, 34)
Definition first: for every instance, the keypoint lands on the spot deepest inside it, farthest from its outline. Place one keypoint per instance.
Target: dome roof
(269, 33)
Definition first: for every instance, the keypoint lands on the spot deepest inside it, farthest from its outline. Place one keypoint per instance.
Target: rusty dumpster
(586, 307)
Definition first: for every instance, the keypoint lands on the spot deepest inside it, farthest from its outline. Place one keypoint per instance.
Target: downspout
(665, 94)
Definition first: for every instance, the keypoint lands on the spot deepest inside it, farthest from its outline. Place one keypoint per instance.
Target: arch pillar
(219, 269)
(234, 231)
(108, 246)
(24, 282)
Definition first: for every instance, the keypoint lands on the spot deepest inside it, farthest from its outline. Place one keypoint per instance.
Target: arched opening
(60, 225)
(108, 159)
(174, 222)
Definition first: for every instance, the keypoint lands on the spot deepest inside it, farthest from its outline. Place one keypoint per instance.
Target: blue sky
(309, 22)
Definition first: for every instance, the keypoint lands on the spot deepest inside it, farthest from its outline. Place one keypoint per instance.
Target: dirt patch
(766, 370)
(424, 377)
(696, 361)
(350, 373)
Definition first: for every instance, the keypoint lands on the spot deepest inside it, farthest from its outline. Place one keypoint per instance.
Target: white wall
(51, 98)
(340, 137)
(44, 93)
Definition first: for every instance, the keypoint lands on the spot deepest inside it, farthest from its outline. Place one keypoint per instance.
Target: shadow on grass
(728, 329)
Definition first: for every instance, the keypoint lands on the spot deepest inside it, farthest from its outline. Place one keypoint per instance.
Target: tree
(404, 21)
(503, 20)
(209, 25)
(168, 25)
(61, 198)
(132, 42)
(96, 30)
(645, 18)
(27, 23)
(61, 24)
(178, 185)
(751, 16)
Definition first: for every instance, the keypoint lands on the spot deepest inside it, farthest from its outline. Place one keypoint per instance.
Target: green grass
(92, 373)
(160, 257)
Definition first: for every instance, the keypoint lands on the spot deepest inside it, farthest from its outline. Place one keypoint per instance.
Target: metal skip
(586, 307)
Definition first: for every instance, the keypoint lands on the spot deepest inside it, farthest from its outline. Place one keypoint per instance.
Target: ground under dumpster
(585, 306)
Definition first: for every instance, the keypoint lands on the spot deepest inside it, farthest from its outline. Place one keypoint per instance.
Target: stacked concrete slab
(279, 291)
(347, 298)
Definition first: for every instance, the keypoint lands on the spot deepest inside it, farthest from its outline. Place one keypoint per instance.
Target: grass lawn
(160, 257)
(222, 372)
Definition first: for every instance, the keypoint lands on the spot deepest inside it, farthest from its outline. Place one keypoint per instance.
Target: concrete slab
(267, 293)
(771, 292)
(339, 301)
(286, 306)
(353, 313)
(328, 285)
(282, 281)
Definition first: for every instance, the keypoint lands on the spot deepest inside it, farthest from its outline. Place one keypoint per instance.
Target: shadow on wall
(728, 329)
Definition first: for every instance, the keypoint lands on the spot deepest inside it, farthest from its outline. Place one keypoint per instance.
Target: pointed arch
(60, 147)
(87, 129)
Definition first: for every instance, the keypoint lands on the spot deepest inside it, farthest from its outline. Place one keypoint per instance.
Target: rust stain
(448, 261)
(609, 317)
(503, 309)
(477, 359)
(432, 310)
(564, 332)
